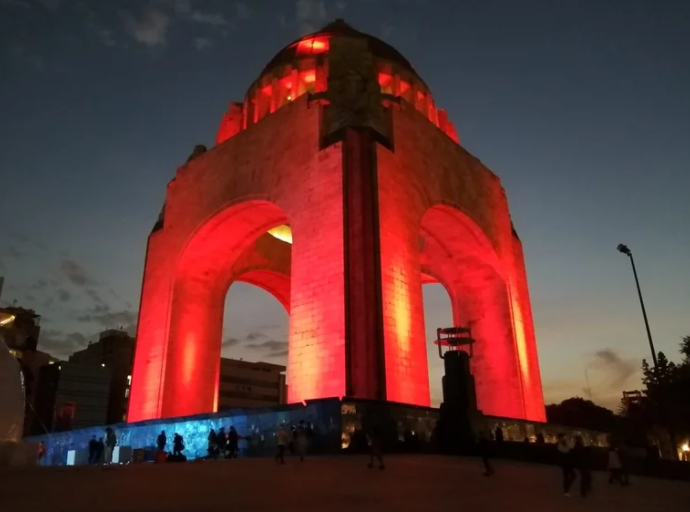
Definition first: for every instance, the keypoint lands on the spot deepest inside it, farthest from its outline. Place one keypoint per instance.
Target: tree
(685, 350)
(667, 387)
(578, 412)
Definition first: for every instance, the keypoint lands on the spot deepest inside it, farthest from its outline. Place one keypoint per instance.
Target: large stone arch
(205, 271)
(429, 185)
(212, 231)
(464, 261)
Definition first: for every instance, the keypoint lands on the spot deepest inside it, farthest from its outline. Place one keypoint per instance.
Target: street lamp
(625, 250)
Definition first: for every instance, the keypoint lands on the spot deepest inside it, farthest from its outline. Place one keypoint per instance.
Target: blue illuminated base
(336, 425)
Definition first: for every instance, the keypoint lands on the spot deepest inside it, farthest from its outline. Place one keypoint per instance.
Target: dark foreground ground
(419, 483)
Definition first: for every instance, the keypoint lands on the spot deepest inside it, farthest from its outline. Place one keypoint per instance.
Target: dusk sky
(582, 107)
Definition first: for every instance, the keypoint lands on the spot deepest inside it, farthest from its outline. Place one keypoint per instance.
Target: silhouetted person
(93, 450)
(301, 440)
(110, 443)
(582, 460)
(41, 452)
(293, 440)
(484, 447)
(100, 448)
(625, 464)
(615, 466)
(499, 435)
(222, 442)
(161, 441)
(282, 440)
(375, 440)
(212, 444)
(540, 438)
(233, 443)
(178, 445)
(565, 461)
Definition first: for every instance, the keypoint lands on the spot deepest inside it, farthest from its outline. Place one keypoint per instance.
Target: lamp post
(625, 250)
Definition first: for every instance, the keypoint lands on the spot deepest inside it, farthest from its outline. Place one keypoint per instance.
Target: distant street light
(625, 250)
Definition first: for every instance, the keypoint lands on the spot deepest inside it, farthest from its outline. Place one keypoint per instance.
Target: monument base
(334, 426)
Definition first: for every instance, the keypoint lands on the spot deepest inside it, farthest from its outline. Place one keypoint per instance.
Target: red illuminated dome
(316, 43)
(302, 68)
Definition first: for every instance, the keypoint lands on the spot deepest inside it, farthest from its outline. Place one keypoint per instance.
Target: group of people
(575, 456)
(178, 445)
(101, 449)
(222, 445)
(294, 439)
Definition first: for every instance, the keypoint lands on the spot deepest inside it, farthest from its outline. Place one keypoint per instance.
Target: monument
(339, 187)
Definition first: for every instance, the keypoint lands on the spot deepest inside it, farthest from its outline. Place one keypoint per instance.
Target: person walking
(565, 461)
(582, 460)
(301, 440)
(93, 449)
(178, 445)
(233, 443)
(374, 438)
(222, 442)
(100, 449)
(212, 447)
(484, 447)
(282, 440)
(110, 443)
(161, 441)
(614, 466)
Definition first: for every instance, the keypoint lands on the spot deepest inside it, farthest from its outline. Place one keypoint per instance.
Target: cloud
(150, 28)
(61, 344)
(270, 327)
(271, 349)
(183, 7)
(41, 284)
(254, 335)
(243, 10)
(230, 342)
(16, 3)
(96, 297)
(216, 19)
(310, 14)
(52, 5)
(202, 42)
(76, 274)
(109, 319)
(106, 36)
(270, 346)
(617, 370)
(63, 295)
(26, 57)
(13, 252)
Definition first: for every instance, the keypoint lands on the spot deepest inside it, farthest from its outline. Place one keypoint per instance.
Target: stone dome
(303, 68)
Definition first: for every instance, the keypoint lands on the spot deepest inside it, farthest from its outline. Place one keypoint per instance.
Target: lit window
(312, 46)
(386, 83)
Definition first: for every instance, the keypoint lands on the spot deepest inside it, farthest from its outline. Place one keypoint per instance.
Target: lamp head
(624, 249)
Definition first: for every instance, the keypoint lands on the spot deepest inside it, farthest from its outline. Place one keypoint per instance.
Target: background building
(114, 350)
(73, 395)
(247, 384)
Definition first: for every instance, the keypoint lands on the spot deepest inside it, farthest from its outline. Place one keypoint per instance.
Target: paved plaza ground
(409, 483)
